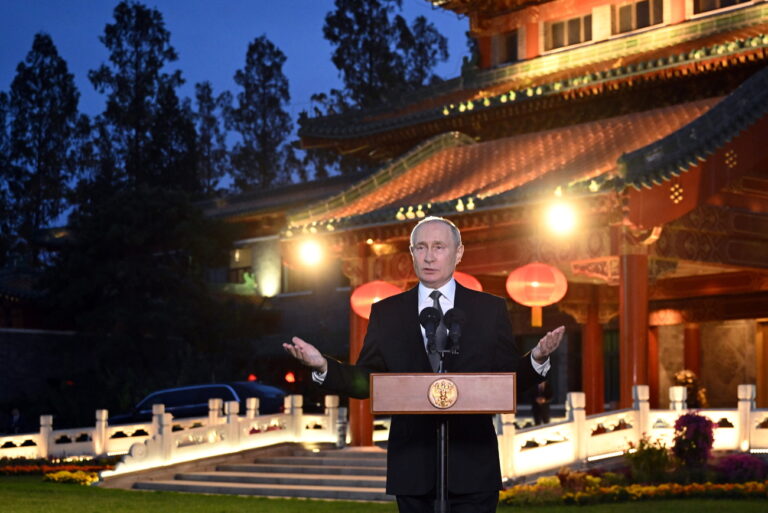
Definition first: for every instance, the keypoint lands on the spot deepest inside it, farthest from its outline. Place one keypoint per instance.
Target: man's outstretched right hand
(307, 354)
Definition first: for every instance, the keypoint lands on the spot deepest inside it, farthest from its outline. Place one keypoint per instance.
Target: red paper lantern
(368, 293)
(536, 285)
(468, 281)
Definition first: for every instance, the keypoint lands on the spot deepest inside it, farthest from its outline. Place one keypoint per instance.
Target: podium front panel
(450, 393)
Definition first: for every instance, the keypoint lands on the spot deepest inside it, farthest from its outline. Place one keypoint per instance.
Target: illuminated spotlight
(561, 218)
(310, 252)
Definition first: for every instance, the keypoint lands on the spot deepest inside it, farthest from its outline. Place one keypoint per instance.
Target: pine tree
(261, 158)
(6, 221)
(378, 55)
(44, 115)
(140, 94)
(212, 155)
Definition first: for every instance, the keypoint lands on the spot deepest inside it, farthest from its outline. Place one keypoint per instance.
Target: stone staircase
(356, 474)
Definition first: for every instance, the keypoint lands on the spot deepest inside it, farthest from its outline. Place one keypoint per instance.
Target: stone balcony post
(678, 396)
(251, 408)
(746, 394)
(100, 433)
(578, 416)
(46, 432)
(640, 402)
(232, 409)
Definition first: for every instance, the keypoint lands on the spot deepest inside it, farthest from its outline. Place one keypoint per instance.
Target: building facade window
(636, 15)
(700, 6)
(505, 48)
(558, 34)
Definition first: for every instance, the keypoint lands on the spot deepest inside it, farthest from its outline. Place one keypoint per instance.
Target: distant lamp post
(536, 285)
(310, 252)
(369, 293)
(468, 281)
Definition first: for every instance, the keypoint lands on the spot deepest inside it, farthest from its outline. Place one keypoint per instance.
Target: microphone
(429, 318)
(454, 320)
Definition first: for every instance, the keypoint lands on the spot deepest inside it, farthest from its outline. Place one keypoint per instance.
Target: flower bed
(24, 466)
(548, 490)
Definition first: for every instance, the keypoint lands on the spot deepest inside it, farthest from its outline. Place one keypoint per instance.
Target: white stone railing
(573, 441)
(581, 438)
(166, 441)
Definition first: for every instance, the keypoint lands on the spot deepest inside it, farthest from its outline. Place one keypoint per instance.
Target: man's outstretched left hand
(548, 344)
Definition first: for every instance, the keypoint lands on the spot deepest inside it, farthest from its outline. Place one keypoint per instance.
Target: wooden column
(592, 359)
(633, 325)
(360, 418)
(761, 362)
(653, 366)
(692, 348)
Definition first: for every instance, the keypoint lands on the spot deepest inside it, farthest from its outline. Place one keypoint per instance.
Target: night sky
(211, 38)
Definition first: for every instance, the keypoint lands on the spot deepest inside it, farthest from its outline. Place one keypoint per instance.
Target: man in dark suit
(395, 342)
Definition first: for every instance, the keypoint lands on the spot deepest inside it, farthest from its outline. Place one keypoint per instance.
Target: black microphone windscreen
(454, 316)
(429, 316)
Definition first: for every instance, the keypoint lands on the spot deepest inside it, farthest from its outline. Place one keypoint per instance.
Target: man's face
(435, 254)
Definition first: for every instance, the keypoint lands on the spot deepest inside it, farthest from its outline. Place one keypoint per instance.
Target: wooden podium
(442, 393)
(446, 393)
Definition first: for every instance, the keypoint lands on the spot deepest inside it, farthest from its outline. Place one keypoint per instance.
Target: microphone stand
(441, 501)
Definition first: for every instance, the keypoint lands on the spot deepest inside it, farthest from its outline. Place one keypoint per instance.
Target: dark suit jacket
(393, 343)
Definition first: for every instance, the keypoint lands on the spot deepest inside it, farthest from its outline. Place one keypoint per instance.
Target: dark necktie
(441, 333)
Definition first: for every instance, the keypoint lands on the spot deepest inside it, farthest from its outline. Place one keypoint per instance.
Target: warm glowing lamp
(536, 285)
(369, 293)
(561, 218)
(468, 281)
(310, 252)
(290, 377)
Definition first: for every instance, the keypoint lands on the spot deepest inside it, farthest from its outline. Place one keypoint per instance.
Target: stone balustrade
(577, 439)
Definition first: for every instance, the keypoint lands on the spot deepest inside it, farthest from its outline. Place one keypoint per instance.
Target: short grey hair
(434, 219)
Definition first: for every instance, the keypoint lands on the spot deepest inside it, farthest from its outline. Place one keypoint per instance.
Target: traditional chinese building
(648, 119)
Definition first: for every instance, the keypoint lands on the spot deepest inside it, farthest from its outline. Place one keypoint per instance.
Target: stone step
(351, 453)
(305, 469)
(289, 478)
(270, 490)
(320, 460)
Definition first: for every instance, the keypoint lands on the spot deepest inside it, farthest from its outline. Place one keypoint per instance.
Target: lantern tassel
(536, 316)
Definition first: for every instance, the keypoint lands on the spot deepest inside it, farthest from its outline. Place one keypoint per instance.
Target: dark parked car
(192, 401)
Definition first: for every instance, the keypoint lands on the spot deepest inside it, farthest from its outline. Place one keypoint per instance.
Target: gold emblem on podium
(443, 393)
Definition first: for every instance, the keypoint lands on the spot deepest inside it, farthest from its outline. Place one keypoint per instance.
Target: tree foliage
(378, 54)
(379, 57)
(41, 163)
(261, 157)
(143, 113)
(212, 155)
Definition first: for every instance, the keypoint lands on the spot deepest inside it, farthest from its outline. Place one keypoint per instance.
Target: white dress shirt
(447, 295)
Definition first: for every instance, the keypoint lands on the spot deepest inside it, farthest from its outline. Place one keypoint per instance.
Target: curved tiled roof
(487, 173)
(743, 35)
(680, 150)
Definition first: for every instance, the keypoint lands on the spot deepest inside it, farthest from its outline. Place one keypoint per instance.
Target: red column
(592, 359)
(692, 348)
(653, 366)
(633, 325)
(531, 40)
(676, 11)
(360, 418)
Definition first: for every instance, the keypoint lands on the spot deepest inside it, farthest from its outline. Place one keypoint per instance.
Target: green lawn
(30, 494)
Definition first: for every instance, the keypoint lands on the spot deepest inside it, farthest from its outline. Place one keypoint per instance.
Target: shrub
(77, 477)
(740, 468)
(649, 462)
(694, 436)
